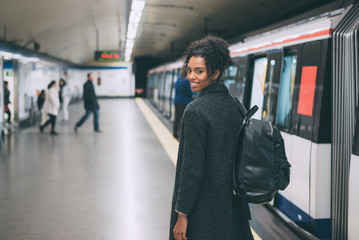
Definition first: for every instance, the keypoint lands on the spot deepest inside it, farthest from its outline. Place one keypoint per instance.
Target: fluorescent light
(16, 56)
(135, 17)
(131, 34)
(6, 55)
(133, 26)
(130, 43)
(133, 21)
(138, 5)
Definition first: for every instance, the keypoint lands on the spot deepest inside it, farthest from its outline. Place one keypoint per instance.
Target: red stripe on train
(302, 37)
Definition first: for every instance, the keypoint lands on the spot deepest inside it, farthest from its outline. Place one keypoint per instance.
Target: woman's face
(197, 74)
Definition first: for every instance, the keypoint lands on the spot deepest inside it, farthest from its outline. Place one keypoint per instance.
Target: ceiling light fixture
(134, 20)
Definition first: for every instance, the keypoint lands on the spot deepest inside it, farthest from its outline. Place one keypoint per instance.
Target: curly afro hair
(213, 50)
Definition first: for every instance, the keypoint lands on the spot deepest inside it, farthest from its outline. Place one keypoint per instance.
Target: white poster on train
(259, 77)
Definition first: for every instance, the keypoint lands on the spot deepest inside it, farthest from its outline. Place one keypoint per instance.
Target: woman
(65, 95)
(203, 207)
(51, 107)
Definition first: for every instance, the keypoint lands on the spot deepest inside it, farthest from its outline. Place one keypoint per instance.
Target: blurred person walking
(7, 101)
(90, 103)
(51, 107)
(40, 105)
(183, 96)
(65, 96)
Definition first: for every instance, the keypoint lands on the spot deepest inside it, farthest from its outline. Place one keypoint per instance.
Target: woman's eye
(199, 71)
(188, 70)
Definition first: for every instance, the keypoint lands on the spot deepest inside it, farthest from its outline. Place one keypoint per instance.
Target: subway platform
(86, 185)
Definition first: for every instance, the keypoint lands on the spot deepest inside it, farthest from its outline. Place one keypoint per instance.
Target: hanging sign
(108, 56)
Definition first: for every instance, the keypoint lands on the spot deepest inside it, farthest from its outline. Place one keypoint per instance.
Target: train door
(283, 121)
(167, 93)
(303, 116)
(162, 83)
(241, 80)
(160, 91)
(353, 212)
(271, 86)
(177, 74)
(155, 89)
(10, 75)
(149, 92)
(1, 97)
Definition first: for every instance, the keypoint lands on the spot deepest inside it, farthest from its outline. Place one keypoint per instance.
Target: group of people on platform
(49, 104)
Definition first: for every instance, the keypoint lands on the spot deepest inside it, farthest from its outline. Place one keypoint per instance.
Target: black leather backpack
(260, 166)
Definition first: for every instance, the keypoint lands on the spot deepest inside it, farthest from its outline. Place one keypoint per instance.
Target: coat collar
(214, 88)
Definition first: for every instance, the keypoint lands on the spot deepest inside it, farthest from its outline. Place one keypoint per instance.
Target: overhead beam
(170, 6)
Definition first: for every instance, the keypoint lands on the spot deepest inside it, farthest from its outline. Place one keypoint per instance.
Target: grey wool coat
(203, 184)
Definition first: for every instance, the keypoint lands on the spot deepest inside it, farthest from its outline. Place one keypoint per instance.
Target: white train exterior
(289, 73)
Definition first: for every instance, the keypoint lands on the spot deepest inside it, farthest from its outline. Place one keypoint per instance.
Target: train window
(230, 79)
(241, 81)
(286, 88)
(271, 87)
(259, 77)
(232, 71)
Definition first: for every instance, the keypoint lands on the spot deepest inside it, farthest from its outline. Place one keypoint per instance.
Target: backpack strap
(245, 113)
(239, 190)
(241, 107)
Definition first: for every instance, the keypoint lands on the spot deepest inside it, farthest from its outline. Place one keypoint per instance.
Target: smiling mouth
(194, 84)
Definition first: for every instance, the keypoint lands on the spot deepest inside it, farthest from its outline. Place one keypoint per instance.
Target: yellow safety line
(255, 235)
(169, 143)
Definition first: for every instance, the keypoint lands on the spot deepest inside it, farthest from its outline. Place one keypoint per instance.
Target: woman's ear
(216, 74)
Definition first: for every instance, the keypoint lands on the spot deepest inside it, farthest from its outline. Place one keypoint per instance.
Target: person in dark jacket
(203, 206)
(91, 104)
(40, 103)
(183, 96)
(7, 101)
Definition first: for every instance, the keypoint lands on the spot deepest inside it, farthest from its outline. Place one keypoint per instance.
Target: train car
(290, 74)
(160, 90)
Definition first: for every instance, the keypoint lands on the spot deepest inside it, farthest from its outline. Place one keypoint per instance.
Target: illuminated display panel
(307, 90)
(108, 56)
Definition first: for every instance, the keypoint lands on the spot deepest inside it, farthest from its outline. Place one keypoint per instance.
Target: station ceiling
(68, 29)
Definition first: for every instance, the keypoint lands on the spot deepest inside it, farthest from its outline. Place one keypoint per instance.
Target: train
(304, 77)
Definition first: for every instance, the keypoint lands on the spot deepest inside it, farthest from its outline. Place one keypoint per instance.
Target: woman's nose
(190, 75)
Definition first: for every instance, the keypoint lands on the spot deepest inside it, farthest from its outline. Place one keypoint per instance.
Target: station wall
(28, 79)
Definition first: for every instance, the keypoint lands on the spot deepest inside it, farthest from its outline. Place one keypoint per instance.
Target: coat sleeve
(54, 98)
(193, 160)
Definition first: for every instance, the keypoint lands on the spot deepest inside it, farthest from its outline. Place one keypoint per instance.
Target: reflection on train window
(259, 77)
(270, 95)
(230, 79)
(286, 88)
(232, 71)
(241, 82)
(167, 93)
